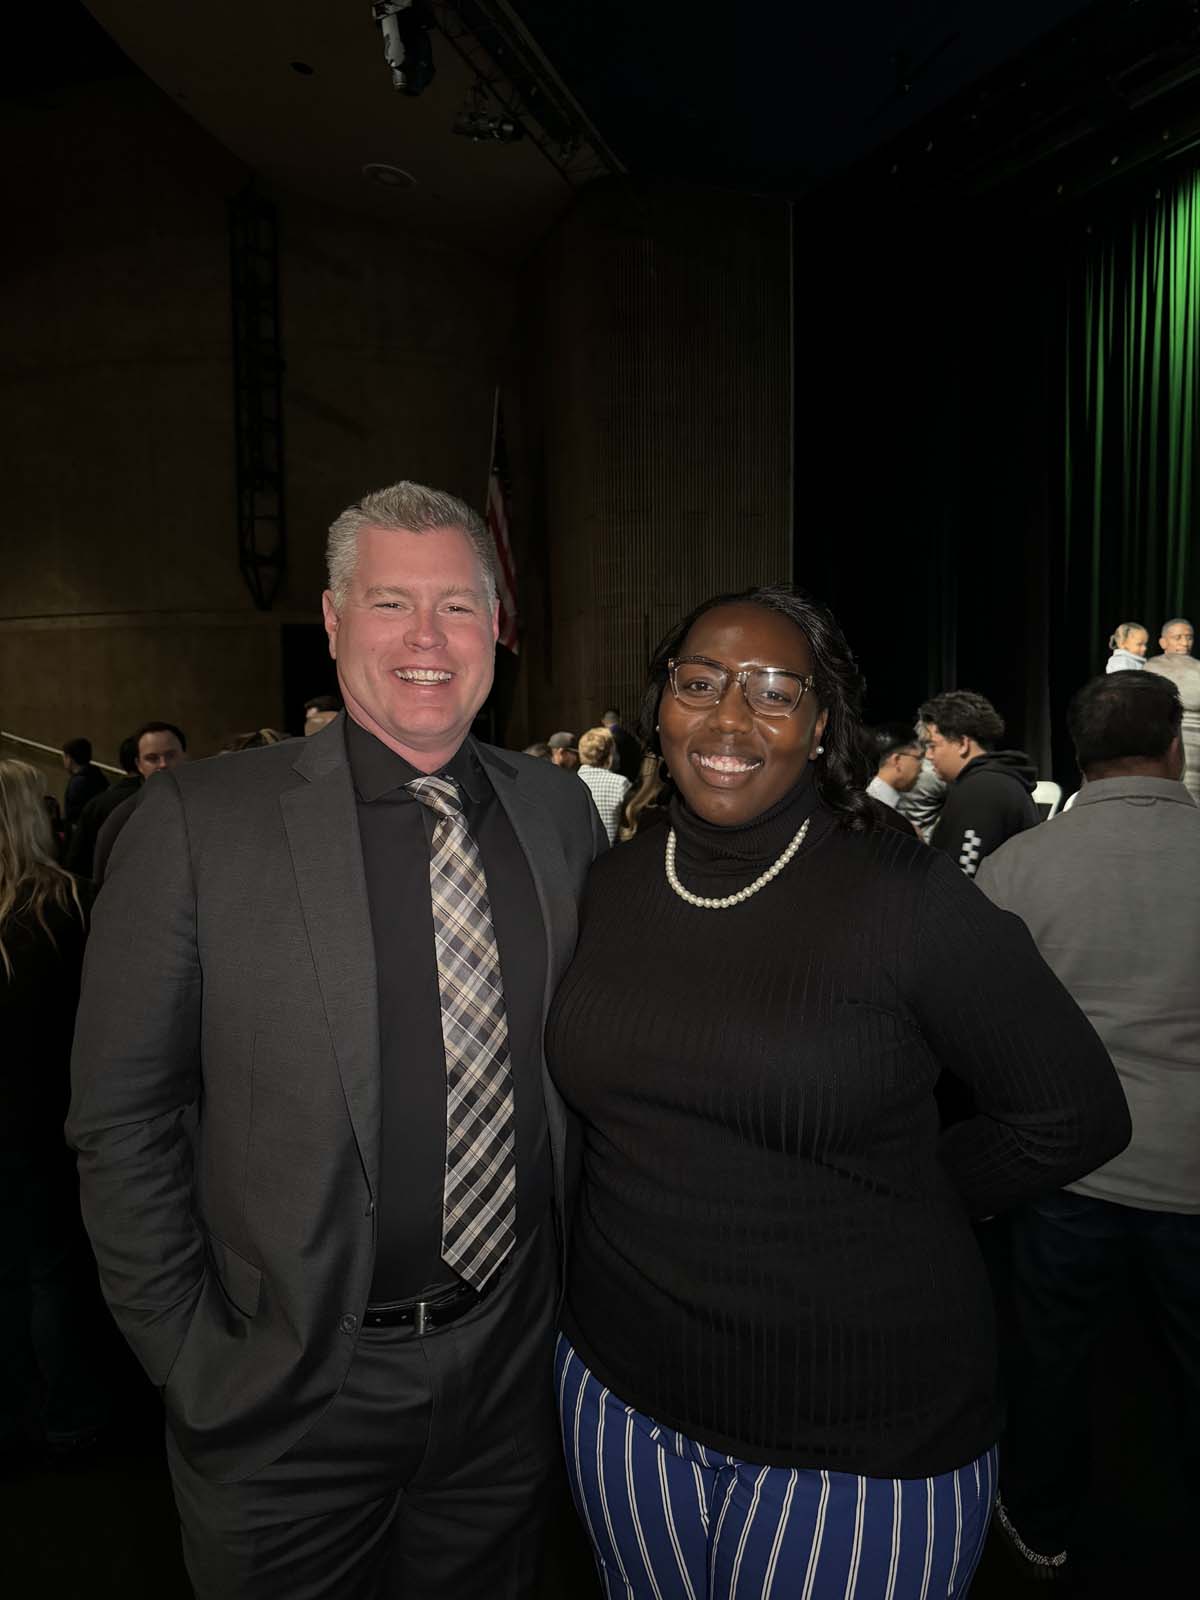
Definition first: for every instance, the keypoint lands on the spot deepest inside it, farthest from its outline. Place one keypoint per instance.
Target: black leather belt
(421, 1315)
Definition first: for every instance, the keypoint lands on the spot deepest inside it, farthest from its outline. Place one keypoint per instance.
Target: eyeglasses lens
(773, 694)
(769, 692)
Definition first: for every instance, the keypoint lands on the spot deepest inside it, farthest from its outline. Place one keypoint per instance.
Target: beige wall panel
(211, 676)
(665, 392)
(393, 349)
(120, 595)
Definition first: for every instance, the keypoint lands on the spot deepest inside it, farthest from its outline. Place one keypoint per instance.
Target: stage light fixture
(478, 120)
(407, 49)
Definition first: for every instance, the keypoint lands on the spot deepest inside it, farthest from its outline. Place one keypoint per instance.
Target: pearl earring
(820, 750)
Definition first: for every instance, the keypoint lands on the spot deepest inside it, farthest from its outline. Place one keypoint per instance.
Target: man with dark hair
(81, 847)
(894, 753)
(990, 790)
(1125, 857)
(158, 747)
(86, 780)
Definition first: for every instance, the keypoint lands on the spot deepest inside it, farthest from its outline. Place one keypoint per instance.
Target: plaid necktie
(479, 1197)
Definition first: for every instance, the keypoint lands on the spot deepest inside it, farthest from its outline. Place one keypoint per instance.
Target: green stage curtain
(1132, 408)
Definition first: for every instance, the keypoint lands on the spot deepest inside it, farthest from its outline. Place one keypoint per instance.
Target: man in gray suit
(321, 1164)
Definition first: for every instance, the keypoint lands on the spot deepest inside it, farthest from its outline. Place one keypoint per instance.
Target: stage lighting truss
(480, 121)
(516, 92)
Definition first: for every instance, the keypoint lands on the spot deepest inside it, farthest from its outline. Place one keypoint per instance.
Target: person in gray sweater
(1127, 855)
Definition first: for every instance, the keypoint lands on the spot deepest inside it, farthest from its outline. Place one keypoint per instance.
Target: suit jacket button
(348, 1323)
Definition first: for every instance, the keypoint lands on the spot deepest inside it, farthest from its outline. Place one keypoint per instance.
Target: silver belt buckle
(420, 1321)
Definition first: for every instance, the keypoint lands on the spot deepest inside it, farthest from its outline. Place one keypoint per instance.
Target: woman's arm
(1049, 1106)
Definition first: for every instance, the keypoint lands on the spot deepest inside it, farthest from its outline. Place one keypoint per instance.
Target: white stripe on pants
(668, 1518)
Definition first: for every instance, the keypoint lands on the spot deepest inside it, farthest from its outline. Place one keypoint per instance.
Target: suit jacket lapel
(322, 831)
(547, 863)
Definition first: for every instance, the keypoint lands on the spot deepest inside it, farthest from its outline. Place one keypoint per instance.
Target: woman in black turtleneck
(777, 1368)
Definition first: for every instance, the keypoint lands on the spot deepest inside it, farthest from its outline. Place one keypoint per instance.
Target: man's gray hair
(405, 508)
(1174, 622)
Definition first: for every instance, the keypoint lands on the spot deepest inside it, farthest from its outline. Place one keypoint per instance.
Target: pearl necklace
(743, 894)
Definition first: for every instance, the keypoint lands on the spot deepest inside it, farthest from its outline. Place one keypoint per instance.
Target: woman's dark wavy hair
(841, 771)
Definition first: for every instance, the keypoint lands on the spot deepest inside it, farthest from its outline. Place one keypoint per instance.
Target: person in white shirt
(896, 753)
(596, 753)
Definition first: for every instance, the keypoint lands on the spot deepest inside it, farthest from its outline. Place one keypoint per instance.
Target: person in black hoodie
(85, 781)
(81, 848)
(990, 794)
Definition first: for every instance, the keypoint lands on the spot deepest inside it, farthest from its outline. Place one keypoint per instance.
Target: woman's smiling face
(729, 762)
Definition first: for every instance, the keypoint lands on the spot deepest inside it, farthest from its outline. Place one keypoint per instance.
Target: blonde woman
(44, 1306)
(609, 788)
(1128, 646)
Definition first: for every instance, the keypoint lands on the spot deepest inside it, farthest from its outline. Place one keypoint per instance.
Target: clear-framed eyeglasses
(697, 682)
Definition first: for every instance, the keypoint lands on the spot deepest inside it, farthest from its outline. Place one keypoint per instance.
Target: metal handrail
(53, 750)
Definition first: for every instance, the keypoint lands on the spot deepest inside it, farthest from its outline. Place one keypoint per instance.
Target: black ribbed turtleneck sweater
(771, 1249)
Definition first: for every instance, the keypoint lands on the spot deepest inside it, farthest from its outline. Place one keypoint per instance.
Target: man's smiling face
(414, 641)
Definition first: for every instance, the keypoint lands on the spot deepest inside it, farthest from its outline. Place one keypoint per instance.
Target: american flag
(499, 493)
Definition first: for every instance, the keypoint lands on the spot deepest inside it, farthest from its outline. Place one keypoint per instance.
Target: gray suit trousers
(427, 1478)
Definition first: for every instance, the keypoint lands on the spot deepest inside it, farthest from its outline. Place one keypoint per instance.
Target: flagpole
(492, 452)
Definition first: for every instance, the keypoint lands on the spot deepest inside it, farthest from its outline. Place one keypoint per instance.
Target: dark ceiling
(774, 96)
(1045, 100)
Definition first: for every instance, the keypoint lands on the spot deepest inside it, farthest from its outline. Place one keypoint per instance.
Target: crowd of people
(944, 775)
(1176, 662)
(412, 1170)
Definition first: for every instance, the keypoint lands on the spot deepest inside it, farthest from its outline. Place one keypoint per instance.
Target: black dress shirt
(396, 832)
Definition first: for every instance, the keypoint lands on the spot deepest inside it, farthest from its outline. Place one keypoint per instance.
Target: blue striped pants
(670, 1519)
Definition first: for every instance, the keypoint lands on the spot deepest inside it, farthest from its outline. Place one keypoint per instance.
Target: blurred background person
(645, 804)
(608, 788)
(257, 739)
(563, 751)
(989, 791)
(922, 804)
(539, 750)
(85, 780)
(49, 1393)
(628, 758)
(1179, 665)
(1128, 645)
(58, 828)
(1126, 855)
(81, 847)
(158, 746)
(895, 754)
(558, 742)
(319, 712)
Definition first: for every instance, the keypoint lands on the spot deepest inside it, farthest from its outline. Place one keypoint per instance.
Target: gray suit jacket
(1110, 890)
(226, 1081)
